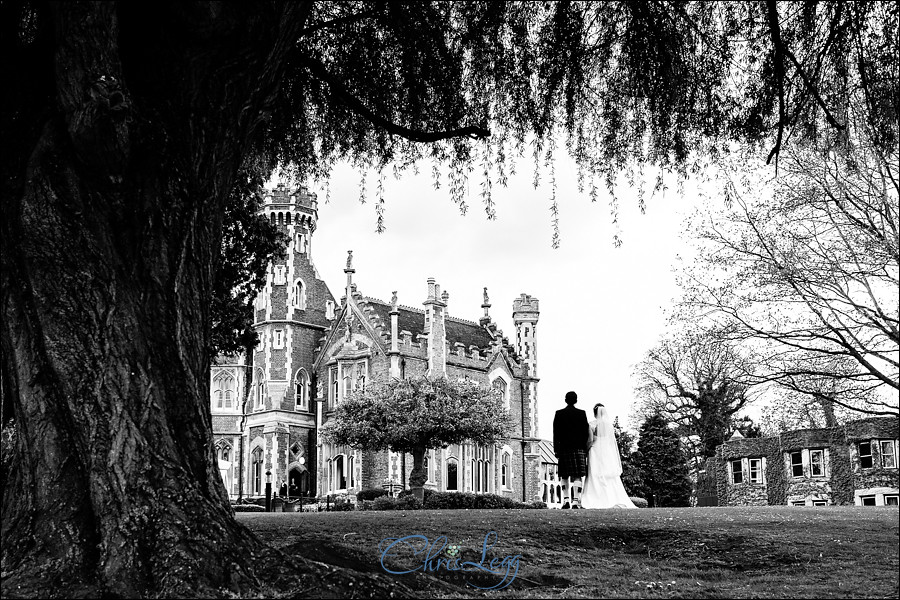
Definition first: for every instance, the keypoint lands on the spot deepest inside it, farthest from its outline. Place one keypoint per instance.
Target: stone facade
(854, 463)
(314, 350)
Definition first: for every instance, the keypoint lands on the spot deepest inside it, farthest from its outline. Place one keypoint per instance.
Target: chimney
(435, 329)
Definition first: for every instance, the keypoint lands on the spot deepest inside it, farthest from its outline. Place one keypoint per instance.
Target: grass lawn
(759, 552)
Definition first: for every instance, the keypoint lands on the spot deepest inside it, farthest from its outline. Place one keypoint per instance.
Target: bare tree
(812, 272)
(697, 381)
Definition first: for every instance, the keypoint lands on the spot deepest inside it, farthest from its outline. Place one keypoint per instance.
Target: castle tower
(525, 317)
(291, 314)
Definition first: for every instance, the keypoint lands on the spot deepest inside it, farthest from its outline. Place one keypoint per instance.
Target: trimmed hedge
(639, 502)
(388, 503)
(428, 493)
(248, 508)
(456, 500)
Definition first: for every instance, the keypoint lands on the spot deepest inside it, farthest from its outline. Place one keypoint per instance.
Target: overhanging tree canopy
(125, 125)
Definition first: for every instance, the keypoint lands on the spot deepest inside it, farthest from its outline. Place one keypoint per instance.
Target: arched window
(502, 389)
(260, 390)
(223, 389)
(340, 475)
(256, 470)
(223, 451)
(505, 471)
(301, 390)
(481, 464)
(298, 295)
(452, 475)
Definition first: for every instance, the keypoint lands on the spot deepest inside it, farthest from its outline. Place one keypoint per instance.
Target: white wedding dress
(603, 486)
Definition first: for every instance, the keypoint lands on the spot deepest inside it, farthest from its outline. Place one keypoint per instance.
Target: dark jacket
(570, 430)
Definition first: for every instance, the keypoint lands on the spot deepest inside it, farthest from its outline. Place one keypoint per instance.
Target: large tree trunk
(110, 234)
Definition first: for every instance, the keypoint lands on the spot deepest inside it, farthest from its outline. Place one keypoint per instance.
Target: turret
(525, 318)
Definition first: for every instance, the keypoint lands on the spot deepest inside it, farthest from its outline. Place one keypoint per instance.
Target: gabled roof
(413, 320)
(545, 448)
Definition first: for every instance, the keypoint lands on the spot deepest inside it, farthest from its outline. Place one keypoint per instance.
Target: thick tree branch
(342, 94)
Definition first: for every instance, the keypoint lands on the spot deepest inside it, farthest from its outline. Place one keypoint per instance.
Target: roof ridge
(460, 320)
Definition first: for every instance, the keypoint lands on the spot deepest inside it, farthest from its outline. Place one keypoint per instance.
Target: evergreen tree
(631, 476)
(662, 464)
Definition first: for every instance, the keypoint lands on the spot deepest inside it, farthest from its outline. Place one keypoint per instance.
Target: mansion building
(313, 351)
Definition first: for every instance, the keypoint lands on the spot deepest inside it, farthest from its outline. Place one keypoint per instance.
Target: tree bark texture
(110, 232)
(417, 476)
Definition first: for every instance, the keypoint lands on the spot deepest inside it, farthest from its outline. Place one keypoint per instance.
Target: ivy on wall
(845, 474)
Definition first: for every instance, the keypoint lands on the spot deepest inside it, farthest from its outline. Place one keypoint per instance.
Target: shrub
(639, 502)
(370, 494)
(248, 508)
(388, 503)
(428, 493)
(449, 500)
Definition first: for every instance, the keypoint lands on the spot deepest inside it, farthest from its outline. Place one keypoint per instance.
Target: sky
(601, 307)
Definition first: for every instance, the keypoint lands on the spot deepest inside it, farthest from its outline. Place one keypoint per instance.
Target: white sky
(601, 307)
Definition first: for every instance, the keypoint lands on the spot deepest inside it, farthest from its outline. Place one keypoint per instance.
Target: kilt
(572, 464)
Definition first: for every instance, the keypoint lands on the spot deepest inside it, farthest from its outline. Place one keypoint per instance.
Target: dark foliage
(662, 464)
(631, 475)
(370, 494)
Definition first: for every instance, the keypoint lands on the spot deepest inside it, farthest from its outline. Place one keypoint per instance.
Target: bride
(603, 488)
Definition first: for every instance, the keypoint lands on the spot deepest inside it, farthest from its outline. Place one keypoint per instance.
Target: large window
(224, 390)
(223, 451)
(737, 471)
(353, 377)
(452, 475)
(256, 470)
(301, 390)
(481, 469)
(339, 474)
(888, 454)
(865, 455)
(797, 464)
(817, 463)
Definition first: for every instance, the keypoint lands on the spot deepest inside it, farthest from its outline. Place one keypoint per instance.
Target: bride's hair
(596, 406)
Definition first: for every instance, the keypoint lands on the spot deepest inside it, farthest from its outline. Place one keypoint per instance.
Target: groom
(570, 439)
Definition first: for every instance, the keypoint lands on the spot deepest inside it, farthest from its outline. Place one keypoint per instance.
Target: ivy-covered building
(314, 350)
(856, 463)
